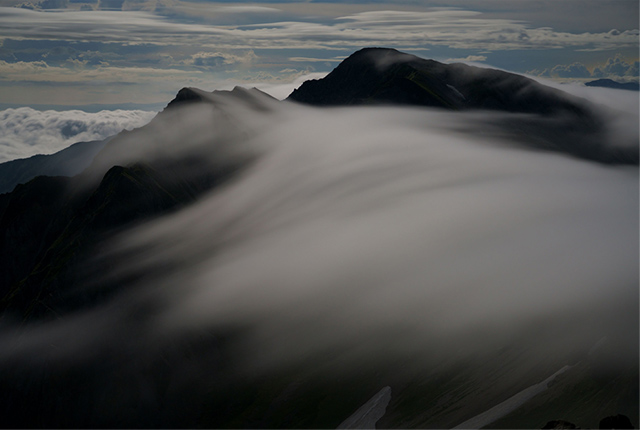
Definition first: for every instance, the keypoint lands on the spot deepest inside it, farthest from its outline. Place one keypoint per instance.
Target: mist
(357, 237)
(359, 221)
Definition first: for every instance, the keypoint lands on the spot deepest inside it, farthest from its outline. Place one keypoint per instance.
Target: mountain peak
(379, 57)
(374, 76)
(387, 76)
(186, 95)
(189, 95)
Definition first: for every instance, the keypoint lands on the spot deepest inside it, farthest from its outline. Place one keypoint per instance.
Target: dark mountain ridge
(387, 76)
(609, 83)
(551, 120)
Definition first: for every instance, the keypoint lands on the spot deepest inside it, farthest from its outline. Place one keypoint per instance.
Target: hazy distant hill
(608, 83)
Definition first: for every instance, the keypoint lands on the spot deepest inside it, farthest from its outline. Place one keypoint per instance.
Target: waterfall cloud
(367, 235)
(357, 222)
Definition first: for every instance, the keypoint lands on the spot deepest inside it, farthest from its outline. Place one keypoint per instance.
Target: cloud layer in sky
(25, 132)
(452, 28)
(613, 68)
(145, 51)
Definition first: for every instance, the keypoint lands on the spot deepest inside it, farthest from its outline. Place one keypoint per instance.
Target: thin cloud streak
(451, 28)
(40, 71)
(202, 45)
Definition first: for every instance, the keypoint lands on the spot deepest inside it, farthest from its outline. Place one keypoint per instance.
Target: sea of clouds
(25, 132)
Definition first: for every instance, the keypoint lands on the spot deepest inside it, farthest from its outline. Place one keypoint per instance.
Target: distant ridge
(67, 162)
(608, 83)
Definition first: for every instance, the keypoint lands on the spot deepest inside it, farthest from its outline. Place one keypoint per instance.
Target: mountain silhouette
(553, 120)
(388, 76)
(609, 83)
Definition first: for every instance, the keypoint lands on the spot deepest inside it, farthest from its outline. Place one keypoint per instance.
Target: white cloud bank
(614, 68)
(369, 231)
(25, 132)
(366, 227)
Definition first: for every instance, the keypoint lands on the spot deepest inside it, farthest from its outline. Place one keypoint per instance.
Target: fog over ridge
(407, 214)
(363, 235)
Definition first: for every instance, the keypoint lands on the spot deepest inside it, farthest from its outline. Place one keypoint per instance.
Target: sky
(136, 54)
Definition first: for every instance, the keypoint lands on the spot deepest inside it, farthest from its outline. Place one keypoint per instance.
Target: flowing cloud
(354, 238)
(25, 132)
(362, 225)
